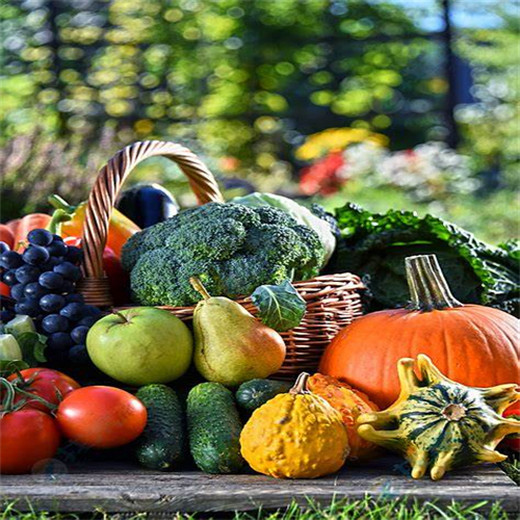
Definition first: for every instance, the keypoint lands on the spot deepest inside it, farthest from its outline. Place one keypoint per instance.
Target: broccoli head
(231, 248)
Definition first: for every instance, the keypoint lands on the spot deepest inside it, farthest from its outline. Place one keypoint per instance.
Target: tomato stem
(7, 403)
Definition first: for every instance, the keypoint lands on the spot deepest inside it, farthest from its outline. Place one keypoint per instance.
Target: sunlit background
(409, 104)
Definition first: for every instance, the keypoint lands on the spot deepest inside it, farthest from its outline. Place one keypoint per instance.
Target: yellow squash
(295, 435)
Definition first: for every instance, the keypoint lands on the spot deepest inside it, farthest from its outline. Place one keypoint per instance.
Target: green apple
(141, 345)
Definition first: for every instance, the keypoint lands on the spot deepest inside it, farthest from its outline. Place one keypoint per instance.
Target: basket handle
(104, 194)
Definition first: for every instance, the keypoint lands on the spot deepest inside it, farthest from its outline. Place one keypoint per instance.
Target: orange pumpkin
(471, 344)
(350, 403)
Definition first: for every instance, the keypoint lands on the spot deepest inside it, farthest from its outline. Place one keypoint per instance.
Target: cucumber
(161, 445)
(214, 429)
(9, 348)
(253, 394)
(20, 324)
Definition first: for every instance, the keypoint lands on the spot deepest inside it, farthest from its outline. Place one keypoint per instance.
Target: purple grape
(73, 311)
(27, 274)
(9, 278)
(35, 255)
(79, 334)
(69, 271)
(4, 247)
(17, 291)
(55, 323)
(40, 237)
(51, 280)
(50, 264)
(75, 297)
(6, 315)
(60, 341)
(28, 306)
(35, 290)
(52, 302)
(68, 287)
(57, 248)
(74, 254)
(11, 260)
(88, 321)
(91, 310)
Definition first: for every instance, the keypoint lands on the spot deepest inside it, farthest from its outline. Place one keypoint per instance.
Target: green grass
(366, 509)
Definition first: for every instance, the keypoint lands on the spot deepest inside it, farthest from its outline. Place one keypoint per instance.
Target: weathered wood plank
(125, 488)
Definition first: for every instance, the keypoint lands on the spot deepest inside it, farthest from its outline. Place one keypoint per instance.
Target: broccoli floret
(146, 240)
(231, 248)
(153, 280)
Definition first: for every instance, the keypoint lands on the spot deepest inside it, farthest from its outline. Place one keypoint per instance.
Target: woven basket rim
(320, 286)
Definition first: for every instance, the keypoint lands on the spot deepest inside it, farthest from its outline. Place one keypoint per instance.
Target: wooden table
(121, 487)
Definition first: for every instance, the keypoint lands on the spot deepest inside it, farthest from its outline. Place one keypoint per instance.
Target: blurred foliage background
(246, 82)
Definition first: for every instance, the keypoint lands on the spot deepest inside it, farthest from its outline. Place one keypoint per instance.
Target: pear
(231, 345)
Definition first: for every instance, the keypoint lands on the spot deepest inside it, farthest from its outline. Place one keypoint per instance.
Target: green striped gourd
(438, 424)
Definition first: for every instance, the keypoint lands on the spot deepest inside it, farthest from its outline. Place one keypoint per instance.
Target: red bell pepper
(4, 289)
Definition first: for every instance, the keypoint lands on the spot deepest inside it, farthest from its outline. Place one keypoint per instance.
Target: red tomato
(101, 416)
(26, 438)
(49, 384)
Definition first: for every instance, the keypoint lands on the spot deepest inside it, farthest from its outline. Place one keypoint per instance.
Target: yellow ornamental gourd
(295, 435)
(438, 424)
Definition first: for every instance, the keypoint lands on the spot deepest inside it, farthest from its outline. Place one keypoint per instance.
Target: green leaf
(33, 348)
(280, 306)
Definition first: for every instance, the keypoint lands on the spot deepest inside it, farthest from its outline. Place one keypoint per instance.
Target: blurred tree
(246, 78)
(491, 125)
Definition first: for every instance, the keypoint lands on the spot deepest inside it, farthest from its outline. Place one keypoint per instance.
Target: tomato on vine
(50, 385)
(27, 436)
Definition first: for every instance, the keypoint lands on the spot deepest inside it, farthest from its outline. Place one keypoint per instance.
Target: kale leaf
(374, 246)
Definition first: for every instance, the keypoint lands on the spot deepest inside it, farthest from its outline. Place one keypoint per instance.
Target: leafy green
(375, 246)
(33, 348)
(280, 306)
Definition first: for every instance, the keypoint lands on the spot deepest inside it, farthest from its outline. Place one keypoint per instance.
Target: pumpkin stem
(429, 289)
(300, 387)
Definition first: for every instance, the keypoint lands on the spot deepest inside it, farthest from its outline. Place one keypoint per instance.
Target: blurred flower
(323, 176)
(229, 164)
(427, 172)
(362, 159)
(334, 140)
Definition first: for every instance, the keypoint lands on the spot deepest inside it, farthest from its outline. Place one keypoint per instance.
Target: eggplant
(147, 204)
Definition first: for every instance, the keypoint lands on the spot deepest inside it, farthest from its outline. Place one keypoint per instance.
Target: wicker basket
(333, 301)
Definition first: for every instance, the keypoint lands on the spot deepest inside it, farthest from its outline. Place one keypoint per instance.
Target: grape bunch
(42, 283)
